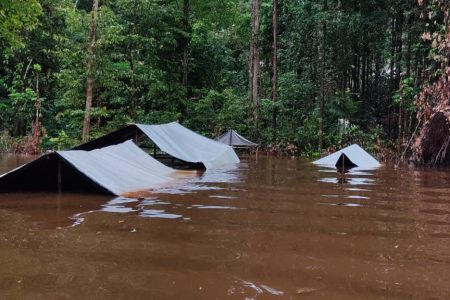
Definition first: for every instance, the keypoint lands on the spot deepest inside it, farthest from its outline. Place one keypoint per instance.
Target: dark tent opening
(114, 164)
(49, 173)
(180, 147)
(344, 163)
(134, 133)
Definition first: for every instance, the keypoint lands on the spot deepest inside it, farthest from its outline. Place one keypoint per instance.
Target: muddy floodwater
(269, 229)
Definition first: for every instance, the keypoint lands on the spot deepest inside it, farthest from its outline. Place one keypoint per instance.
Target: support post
(59, 176)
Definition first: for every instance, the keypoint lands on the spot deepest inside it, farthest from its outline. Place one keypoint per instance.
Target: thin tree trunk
(38, 104)
(134, 100)
(391, 73)
(408, 73)
(275, 66)
(364, 67)
(399, 34)
(185, 42)
(254, 63)
(37, 125)
(369, 80)
(89, 66)
(323, 32)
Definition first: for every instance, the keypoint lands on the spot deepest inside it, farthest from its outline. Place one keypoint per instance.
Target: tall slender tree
(185, 42)
(89, 67)
(254, 63)
(274, 66)
(322, 58)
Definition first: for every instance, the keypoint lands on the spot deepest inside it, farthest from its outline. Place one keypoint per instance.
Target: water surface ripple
(270, 229)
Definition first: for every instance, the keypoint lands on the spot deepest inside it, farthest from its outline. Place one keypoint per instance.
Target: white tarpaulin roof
(355, 153)
(175, 140)
(120, 168)
(232, 138)
(189, 146)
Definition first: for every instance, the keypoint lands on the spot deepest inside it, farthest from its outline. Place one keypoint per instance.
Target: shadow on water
(51, 210)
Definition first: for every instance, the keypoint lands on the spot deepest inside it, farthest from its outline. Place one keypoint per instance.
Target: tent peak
(353, 154)
(232, 138)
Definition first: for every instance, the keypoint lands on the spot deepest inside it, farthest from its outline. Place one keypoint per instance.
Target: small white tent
(354, 153)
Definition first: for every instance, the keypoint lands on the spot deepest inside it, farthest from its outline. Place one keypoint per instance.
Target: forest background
(296, 76)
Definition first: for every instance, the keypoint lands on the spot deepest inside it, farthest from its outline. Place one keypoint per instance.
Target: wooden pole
(59, 176)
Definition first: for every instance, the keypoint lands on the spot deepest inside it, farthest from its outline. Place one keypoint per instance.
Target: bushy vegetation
(369, 69)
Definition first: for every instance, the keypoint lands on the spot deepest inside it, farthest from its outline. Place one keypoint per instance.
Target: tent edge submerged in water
(114, 170)
(119, 168)
(354, 153)
(187, 145)
(174, 139)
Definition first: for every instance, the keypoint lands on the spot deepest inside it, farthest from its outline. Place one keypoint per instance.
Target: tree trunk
(432, 145)
(364, 67)
(134, 100)
(399, 46)
(185, 43)
(408, 58)
(36, 138)
(254, 63)
(322, 58)
(89, 66)
(274, 66)
(391, 74)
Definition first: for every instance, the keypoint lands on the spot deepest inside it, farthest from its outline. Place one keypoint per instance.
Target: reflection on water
(270, 229)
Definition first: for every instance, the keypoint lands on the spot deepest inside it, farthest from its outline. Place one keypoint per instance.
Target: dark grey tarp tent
(113, 170)
(234, 139)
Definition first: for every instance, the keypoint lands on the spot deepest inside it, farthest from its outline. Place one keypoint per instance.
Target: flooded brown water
(270, 229)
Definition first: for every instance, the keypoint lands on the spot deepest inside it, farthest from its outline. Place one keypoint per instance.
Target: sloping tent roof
(234, 139)
(175, 140)
(114, 170)
(353, 154)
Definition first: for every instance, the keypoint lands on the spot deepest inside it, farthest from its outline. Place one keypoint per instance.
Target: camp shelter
(234, 139)
(351, 156)
(175, 140)
(113, 170)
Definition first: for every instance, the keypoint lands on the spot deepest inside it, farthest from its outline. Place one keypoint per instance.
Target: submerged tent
(234, 139)
(175, 140)
(351, 156)
(114, 170)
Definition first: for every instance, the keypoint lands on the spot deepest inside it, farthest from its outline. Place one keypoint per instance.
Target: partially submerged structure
(234, 139)
(113, 164)
(113, 170)
(175, 140)
(349, 157)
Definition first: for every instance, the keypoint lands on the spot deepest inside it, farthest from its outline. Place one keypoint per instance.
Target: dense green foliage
(374, 59)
